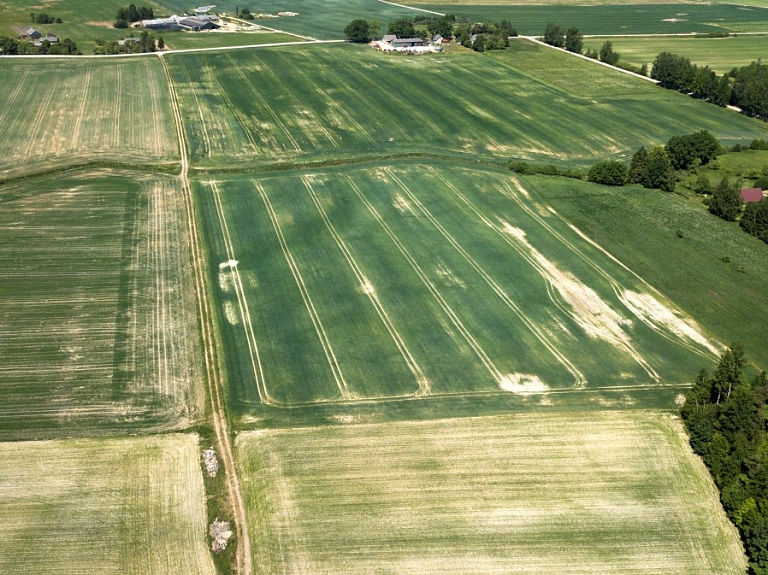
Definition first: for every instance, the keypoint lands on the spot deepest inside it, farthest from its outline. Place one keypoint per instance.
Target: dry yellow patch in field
(600, 492)
(122, 506)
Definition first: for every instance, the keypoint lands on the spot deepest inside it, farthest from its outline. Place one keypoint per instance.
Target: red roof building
(751, 195)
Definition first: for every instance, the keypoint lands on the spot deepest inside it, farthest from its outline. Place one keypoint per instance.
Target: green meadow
(720, 54)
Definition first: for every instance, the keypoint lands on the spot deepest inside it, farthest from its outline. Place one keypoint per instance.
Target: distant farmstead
(196, 23)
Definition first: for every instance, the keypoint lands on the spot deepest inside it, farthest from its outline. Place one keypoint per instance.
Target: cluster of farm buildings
(196, 23)
(391, 43)
(35, 35)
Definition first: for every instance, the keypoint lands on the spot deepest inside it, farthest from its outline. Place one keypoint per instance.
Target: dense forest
(726, 417)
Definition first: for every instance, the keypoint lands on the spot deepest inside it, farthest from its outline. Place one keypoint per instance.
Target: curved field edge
(372, 276)
(615, 492)
(709, 267)
(112, 506)
(99, 330)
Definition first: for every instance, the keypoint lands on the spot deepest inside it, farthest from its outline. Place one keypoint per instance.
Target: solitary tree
(726, 201)
(357, 31)
(574, 40)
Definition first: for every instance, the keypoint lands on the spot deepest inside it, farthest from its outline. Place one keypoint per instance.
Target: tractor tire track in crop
(479, 351)
(242, 300)
(213, 376)
(579, 379)
(319, 329)
(413, 366)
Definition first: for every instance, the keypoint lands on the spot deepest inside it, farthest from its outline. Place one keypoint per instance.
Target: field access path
(212, 373)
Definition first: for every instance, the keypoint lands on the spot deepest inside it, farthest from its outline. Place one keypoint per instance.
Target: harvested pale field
(98, 324)
(604, 492)
(332, 102)
(57, 112)
(107, 506)
(414, 280)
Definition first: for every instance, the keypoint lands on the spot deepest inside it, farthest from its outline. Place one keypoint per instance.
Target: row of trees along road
(573, 40)
(745, 87)
(726, 416)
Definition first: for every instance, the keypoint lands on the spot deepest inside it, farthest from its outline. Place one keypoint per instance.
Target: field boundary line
(242, 302)
(213, 376)
(412, 8)
(266, 105)
(486, 361)
(325, 342)
(579, 379)
(535, 40)
(421, 378)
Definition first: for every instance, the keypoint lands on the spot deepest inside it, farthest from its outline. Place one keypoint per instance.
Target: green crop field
(185, 41)
(614, 492)
(63, 112)
(626, 18)
(720, 54)
(423, 280)
(110, 506)
(338, 101)
(98, 327)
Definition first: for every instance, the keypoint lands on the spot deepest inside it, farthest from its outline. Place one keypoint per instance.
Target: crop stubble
(89, 110)
(122, 506)
(614, 492)
(97, 326)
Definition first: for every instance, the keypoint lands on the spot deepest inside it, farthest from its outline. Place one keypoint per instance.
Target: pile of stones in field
(211, 462)
(221, 533)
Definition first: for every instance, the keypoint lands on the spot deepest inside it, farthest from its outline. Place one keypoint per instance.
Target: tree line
(43, 18)
(572, 39)
(745, 87)
(726, 417)
(144, 43)
(131, 13)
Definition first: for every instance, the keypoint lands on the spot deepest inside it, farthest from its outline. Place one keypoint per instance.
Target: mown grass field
(333, 102)
(610, 492)
(58, 113)
(113, 506)
(625, 18)
(98, 323)
(720, 54)
(715, 271)
(417, 280)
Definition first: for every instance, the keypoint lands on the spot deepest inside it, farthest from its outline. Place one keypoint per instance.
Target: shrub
(609, 173)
